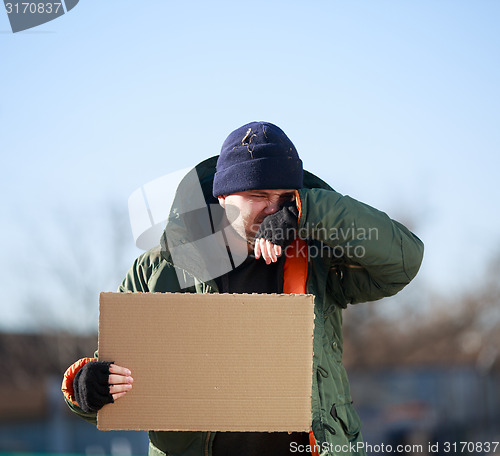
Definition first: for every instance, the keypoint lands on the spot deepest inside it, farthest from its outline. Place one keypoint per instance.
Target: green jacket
(356, 254)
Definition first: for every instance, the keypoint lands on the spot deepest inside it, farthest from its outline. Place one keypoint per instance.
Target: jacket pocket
(348, 419)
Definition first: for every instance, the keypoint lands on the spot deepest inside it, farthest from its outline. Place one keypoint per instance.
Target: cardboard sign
(209, 362)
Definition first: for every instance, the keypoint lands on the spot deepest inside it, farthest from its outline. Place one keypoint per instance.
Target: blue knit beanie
(257, 156)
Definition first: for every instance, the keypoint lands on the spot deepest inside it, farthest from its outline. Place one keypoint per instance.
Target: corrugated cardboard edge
(217, 296)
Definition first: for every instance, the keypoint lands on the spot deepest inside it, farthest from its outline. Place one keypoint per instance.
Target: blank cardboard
(209, 362)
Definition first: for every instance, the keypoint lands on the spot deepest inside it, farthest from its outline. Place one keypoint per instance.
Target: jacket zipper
(207, 442)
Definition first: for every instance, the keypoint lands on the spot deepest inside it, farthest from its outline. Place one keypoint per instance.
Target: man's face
(245, 211)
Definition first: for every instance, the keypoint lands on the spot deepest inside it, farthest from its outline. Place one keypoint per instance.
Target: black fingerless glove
(281, 227)
(91, 386)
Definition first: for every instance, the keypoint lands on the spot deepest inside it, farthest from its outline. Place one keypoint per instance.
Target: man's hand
(275, 232)
(99, 383)
(120, 381)
(269, 251)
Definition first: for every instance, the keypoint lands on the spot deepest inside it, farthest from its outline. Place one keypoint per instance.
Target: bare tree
(456, 331)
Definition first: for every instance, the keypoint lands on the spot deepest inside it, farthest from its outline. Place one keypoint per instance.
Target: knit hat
(257, 156)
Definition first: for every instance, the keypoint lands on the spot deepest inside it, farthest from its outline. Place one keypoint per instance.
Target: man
(285, 231)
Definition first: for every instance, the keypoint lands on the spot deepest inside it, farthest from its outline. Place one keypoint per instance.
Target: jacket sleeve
(375, 255)
(68, 392)
(136, 280)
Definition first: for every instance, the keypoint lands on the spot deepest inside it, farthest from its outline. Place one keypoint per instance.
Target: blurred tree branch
(443, 332)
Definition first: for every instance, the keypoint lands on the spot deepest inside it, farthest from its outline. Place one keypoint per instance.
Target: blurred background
(394, 103)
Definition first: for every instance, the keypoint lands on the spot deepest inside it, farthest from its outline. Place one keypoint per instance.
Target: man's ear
(222, 201)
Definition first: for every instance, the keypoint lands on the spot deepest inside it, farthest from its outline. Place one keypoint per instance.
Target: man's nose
(272, 206)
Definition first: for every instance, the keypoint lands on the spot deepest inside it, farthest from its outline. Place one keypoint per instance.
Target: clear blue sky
(392, 102)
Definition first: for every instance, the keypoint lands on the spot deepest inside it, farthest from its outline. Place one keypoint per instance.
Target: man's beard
(242, 227)
(246, 230)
